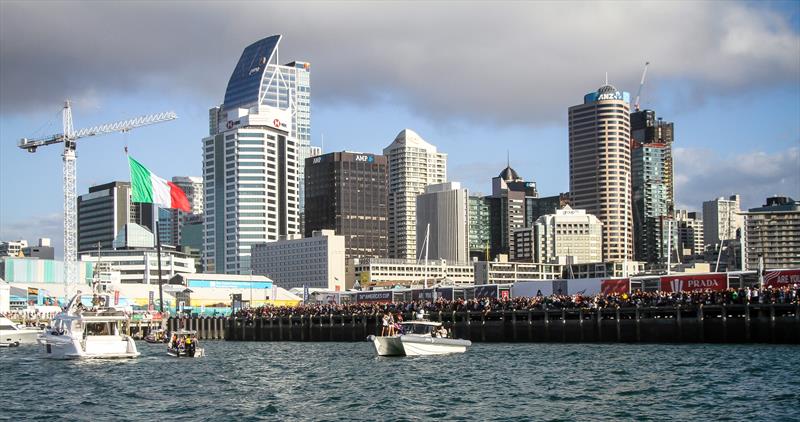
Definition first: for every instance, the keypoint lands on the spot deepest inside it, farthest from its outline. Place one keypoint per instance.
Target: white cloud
(702, 175)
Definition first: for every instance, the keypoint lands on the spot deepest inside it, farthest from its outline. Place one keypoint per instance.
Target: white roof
(409, 138)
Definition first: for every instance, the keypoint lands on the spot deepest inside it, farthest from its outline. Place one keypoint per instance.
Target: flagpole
(158, 251)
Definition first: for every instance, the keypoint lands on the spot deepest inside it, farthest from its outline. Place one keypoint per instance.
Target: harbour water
(345, 381)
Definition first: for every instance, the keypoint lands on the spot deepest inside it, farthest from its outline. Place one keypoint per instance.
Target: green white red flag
(149, 188)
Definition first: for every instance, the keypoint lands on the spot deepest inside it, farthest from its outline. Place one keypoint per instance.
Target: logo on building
(676, 284)
(364, 158)
(316, 160)
(276, 123)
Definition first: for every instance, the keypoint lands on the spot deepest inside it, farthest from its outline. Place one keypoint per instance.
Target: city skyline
(706, 100)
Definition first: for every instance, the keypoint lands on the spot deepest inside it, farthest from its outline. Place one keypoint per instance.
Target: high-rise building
(653, 204)
(252, 158)
(568, 235)
(600, 166)
(192, 186)
(479, 227)
(690, 233)
(105, 210)
(443, 208)
(507, 209)
(413, 164)
(346, 192)
(170, 220)
(721, 219)
(772, 233)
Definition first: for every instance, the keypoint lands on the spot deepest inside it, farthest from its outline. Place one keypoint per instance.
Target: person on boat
(189, 347)
(441, 332)
(385, 329)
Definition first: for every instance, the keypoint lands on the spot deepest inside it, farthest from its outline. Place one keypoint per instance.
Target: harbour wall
(771, 323)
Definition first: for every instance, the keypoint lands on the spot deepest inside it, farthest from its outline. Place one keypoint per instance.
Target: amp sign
(364, 158)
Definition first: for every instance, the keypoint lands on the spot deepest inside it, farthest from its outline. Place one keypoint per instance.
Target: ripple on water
(344, 381)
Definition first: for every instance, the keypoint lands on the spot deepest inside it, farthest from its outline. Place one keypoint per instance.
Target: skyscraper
(773, 234)
(252, 158)
(479, 228)
(171, 220)
(413, 164)
(600, 166)
(507, 208)
(653, 204)
(105, 210)
(690, 233)
(443, 208)
(346, 192)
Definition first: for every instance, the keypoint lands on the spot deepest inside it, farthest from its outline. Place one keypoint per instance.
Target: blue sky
(727, 74)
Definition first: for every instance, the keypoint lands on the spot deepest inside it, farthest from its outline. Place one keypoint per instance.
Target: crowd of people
(783, 295)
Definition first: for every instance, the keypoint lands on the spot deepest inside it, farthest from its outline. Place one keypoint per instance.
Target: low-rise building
(13, 247)
(567, 233)
(413, 273)
(17, 270)
(498, 272)
(690, 233)
(317, 261)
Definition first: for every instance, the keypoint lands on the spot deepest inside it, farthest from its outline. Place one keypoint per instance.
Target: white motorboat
(93, 333)
(418, 338)
(13, 335)
(184, 344)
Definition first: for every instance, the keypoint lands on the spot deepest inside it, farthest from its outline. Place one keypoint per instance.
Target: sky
(482, 81)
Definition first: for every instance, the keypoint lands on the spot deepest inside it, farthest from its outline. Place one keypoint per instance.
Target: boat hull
(411, 345)
(69, 348)
(18, 337)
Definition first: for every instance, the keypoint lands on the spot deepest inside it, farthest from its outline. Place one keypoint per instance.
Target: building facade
(479, 227)
(413, 164)
(105, 210)
(722, 219)
(13, 248)
(690, 233)
(507, 209)
(252, 159)
(37, 270)
(388, 271)
(772, 234)
(572, 234)
(443, 207)
(140, 265)
(316, 261)
(346, 192)
(42, 250)
(600, 166)
(511, 272)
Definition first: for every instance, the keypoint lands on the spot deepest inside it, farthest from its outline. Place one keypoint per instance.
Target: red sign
(694, 282)
(505, 294)
(615, 285)
(781, 278)
(277, 123)
(116, 297)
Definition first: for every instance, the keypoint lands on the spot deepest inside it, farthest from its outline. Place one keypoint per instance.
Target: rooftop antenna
(508, 158)
(606, 78)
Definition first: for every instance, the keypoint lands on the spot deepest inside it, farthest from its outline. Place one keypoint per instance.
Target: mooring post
(619, 329)
(638, 325)
(700, 319)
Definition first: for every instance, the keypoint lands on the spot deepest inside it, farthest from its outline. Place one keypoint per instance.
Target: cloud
(498, 63)
(702, 175)
(50, 225)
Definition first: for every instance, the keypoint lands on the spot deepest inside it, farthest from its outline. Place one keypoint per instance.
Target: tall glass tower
(252, 158)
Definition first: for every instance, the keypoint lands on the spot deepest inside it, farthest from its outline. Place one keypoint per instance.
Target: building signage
(233, 123)
(615, 285)
(486, 291)
(426, 294)
(781, 278)
(364, 158)
(694, 282)
(380, 296)
(316, 160)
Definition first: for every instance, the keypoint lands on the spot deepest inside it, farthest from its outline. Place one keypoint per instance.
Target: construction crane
(69, 138)
(641, 84)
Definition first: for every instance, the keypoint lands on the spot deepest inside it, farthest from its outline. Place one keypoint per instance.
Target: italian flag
(147, 187)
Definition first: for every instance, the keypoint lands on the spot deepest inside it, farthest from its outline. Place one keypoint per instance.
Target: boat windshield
(100, 329)
(417, 329)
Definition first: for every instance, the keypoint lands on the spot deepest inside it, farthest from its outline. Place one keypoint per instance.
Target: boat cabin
(419, 327)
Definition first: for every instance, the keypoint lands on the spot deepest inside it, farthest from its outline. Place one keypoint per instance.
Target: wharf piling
(750, 323)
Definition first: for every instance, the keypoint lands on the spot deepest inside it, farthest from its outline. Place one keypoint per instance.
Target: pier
(748, 323)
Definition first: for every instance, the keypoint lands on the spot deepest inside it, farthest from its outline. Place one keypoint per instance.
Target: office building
(252, 158)
(138, 265)
(507, 209)
(536, 207)
(413, 164)
(721, 220)
(600, 166)
(479, 227)
(316, 261)
(192, 186)
(690, 233)
(442, 215)
(503, 272)
(105, 210)
(346, 192)
(42, 250)
(772, 234)
(568, 235)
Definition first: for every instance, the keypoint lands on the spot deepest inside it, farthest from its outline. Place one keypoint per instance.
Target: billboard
(487, 290)
(424, 294)
(694, 282)
(781, 278)
(374, 296)
(615, 285)
(532, 288)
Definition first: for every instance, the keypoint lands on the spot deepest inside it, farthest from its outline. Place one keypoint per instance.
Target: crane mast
(69, 137)
(641, 84)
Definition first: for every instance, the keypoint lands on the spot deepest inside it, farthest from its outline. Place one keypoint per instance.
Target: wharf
(751, 323)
